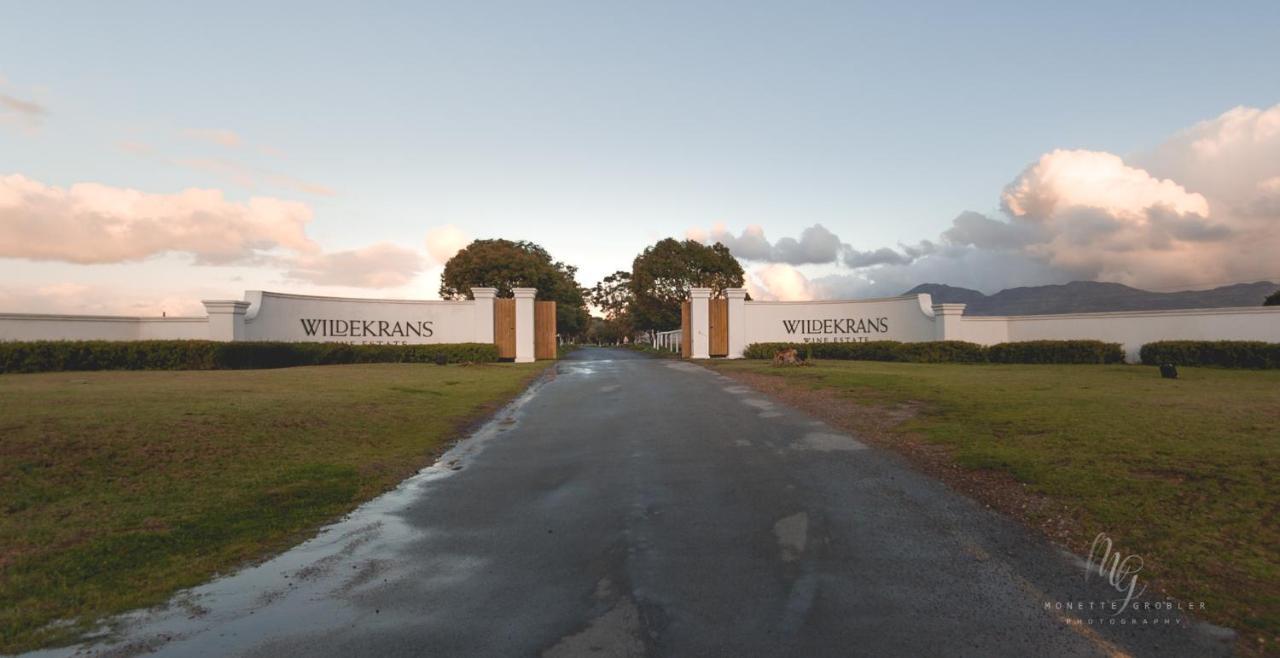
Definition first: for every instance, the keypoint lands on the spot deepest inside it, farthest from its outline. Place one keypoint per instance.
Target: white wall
(24, 326)
(915, 318)
(1132, 329)
(280, 316)
(275, 316)
(908, 318)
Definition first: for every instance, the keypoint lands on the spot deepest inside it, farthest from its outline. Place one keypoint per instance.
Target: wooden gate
(504, 327)
(719, 329)
(686, 331)
(544, 330)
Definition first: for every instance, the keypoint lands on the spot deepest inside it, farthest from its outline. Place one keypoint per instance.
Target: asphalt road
(630, 506)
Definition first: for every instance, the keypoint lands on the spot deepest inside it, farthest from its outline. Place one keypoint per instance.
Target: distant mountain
(1092, 297)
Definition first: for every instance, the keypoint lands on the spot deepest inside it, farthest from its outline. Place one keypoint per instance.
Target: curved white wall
(306, 318)
(272, 316)
(904, 319)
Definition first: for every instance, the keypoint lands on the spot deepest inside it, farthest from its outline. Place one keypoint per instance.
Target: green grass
(119, 488)
(1185, 473)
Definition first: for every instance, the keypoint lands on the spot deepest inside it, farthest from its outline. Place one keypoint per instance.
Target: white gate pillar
(737, 321)
(700, 322)
(484, 313)
(524, 323)
(226, 319)
(946, 321)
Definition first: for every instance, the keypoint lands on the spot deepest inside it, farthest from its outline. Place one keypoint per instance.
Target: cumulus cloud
(778, 282)
(445, 241)
(95, 223)
(381, 265)
(1200, 210)
(815, 245)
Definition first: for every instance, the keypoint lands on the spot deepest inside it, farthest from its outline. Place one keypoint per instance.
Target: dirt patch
(880, 423)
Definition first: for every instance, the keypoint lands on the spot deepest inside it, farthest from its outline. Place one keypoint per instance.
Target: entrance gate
(544, 330)
(718, 340)
(504, 327)
(686, 331)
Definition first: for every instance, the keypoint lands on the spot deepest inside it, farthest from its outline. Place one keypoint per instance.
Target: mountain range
(1092, 297)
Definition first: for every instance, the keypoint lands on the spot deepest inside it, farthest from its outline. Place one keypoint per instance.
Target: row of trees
(645, 299)
(648, 298)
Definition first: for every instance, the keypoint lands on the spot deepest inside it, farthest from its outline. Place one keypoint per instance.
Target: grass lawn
(119, 488)
(1185, 473)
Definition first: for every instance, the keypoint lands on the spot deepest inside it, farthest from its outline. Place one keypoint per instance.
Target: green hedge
(1056, 351)
(1220, 353)
(951, 351)
(882, 350)
(50, 356)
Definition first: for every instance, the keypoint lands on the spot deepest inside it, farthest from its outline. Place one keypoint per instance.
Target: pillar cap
(524, 293)
(480, 292)
(735, 293)
(699, 293)
(238, 306)
(949, 309)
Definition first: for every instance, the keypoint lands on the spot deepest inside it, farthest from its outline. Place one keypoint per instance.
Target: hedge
(1056, 351)
(50, 356)
(951, 351)
(1220, 353)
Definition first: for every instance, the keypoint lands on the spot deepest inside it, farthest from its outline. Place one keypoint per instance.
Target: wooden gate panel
(686, 331)
(544, 330)
(504, 327)
(719, 321)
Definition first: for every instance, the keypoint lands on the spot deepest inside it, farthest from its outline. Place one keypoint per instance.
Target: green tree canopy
(663, 273)
(613, 295)
(504, 264)
(1273, 299)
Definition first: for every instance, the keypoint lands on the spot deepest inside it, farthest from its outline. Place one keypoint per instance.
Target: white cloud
(1200, 210)
(815, 245)
(780, 282)
(381, 265)
(95, 223)
(445, 241)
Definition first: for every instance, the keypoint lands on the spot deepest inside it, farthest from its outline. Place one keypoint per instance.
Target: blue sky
(597, 128)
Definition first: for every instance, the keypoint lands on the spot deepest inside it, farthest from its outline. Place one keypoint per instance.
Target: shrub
(1056, 351)
(50, 356)
(952, 351)
(1220, 353)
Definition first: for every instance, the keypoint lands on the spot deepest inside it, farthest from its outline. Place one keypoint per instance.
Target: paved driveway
(636, 506)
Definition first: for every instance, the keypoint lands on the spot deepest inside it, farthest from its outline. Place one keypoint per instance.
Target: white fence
(667, 340)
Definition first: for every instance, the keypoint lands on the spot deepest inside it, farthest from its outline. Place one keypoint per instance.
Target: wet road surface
(631, 506)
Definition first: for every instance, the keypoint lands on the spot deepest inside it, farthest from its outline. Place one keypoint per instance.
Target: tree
(1273, 300)
(614, 297)
(663, 273)
(504, 264)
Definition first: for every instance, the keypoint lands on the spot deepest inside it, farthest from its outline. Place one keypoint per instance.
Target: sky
(155, 154)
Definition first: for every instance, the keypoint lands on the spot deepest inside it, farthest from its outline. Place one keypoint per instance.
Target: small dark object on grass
(1168, 371)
